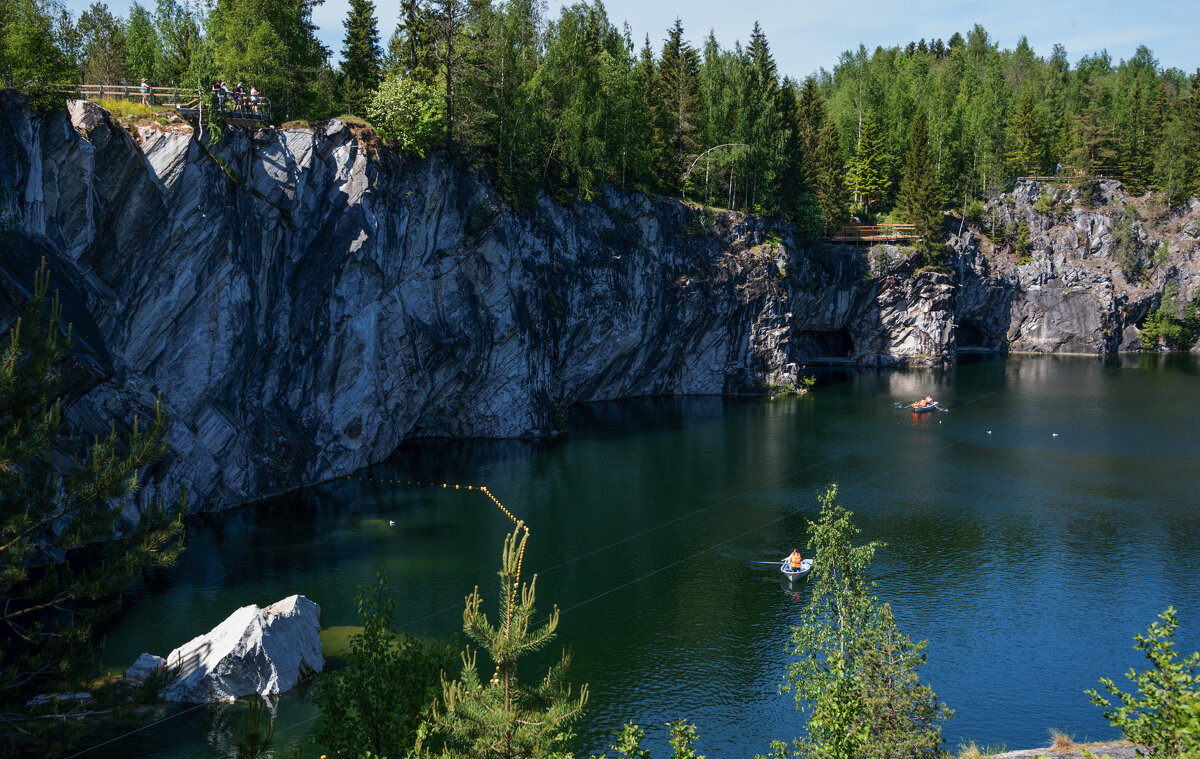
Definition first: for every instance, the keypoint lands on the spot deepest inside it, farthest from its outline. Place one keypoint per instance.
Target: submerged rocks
(263, 651)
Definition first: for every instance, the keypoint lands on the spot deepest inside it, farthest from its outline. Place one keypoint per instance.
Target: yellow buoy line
(512, 591)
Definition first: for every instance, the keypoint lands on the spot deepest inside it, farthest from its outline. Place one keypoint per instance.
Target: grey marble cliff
(304, 302)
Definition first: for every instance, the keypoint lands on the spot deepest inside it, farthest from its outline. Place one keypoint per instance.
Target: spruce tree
(919, 199)
(678, 106)
(869, 179)
(828, 180)
(810, 118)
(856, 673)
(503, 717)
(1134, 154)
(1092, 134)
(1025, 139)
(411, 48)
(360, 56)
(52, 594)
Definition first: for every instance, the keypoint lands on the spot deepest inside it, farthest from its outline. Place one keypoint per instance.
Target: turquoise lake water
(1033, 529)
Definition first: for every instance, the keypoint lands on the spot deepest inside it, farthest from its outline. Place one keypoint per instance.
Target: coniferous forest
(568, 104)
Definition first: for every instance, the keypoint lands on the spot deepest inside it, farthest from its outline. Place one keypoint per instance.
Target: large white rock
(264, 651)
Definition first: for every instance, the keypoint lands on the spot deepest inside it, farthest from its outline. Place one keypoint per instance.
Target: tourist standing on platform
(254, 98)
(145, 92)
(238, 95)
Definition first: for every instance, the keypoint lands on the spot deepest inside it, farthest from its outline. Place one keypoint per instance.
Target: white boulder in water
(263, 651)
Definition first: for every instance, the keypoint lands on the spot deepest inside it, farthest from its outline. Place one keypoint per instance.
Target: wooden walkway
(185, 102)
(872, 233)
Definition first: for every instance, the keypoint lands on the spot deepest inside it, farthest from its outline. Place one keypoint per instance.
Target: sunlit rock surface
(305, 302)
(263, 651)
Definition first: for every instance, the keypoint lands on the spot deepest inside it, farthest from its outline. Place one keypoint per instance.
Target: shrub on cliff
(408, 114)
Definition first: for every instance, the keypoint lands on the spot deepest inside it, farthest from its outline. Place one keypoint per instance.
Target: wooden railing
(869, 233)
(186, 101)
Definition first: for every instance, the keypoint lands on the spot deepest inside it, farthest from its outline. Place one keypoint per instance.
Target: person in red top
(796, 559)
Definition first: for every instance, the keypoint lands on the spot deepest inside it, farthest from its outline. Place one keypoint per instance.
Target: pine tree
(810, 118)
(53, 596)
(448, 20)
(678, 106)
(411, 49)
(360, 56)
(869, 179)
(505, 718)
(1025, 139)
(919, 200)
(1093, 137)
(1134, 156)
(1189, 117)
(103, 45)
(856, 673)
(828, 180)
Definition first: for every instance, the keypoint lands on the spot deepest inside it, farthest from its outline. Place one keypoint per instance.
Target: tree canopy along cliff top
(568, 104)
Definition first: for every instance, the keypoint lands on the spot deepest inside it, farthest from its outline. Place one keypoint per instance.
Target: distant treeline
(568, 104)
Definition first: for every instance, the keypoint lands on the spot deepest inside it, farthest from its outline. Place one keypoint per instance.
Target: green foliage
(375, 702)
(360, 56)
(1021, 243)
(30, 50)
(1164, 713)
(855, 675)
(1045, 204)
(973, 209)
(408, 113)
(920, 202)
(50, 603)
(505, 717)
(869, 178)
(1025, 139)
(141, 46)
(104, 49)
(681, 735)
(1127, 251)
(1089, 193)
(1162, 256)
(271, 44)
(1172, 325)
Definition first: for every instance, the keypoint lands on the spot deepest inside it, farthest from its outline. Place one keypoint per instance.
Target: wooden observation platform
(234, 110)
(872, 233)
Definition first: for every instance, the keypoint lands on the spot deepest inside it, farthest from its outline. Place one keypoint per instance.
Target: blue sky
(806, 35)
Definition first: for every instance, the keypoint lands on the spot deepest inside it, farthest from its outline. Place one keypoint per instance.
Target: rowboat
(795, 574)
(927, 407)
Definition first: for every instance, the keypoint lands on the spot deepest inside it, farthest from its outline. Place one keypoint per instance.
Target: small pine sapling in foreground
(504, 718)
(1164, 713)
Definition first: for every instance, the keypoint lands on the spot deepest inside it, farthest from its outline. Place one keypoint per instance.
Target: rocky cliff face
(304, 302)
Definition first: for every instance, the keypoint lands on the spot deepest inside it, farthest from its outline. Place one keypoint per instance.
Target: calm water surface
(1032, 531)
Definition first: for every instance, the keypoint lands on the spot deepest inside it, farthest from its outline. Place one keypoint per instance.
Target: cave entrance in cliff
(969, 338)
(831, 345)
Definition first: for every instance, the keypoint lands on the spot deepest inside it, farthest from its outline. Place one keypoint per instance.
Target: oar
(776, 563)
